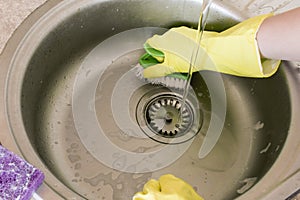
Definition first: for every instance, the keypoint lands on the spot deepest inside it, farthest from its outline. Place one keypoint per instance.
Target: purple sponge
(18, 179)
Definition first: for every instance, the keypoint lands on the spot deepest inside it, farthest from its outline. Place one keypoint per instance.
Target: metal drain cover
(162, 117)
(165, 117)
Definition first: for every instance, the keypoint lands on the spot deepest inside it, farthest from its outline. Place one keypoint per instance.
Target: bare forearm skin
(279, 36)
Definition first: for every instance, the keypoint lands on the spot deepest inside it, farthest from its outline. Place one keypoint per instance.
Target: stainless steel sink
(74, 108)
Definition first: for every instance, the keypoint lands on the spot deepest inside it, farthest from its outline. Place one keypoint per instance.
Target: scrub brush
(152, 57)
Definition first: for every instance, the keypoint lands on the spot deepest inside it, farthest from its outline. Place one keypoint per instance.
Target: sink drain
(162, 117)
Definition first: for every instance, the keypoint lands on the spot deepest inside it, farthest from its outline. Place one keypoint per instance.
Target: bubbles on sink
(118, 183)
(74, 146)
(266, 149)
(77, 166)
(121, 135)
(200, 94)
(74, 158)
(120, 161)
(259, 125)
(74, 180)
(248, 183)
(94, 181)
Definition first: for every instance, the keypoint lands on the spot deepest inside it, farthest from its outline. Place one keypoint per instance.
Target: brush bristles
(167, 81)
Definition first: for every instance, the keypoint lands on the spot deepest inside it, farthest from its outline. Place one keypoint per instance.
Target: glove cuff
(235, 51)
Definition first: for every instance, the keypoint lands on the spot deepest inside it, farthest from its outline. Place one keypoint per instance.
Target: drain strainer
(166, 116)
(162, 117)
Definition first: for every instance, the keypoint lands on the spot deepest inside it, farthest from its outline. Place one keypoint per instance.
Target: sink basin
(75, 109)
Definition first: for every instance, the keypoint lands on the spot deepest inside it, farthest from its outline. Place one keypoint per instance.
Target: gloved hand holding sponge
(234, 51)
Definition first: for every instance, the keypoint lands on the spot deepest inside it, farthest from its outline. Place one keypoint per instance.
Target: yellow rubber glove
(168, 187)
(233, 51)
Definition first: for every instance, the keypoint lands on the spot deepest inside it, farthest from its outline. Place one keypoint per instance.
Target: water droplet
(77, 166)
(259, 125)
(266, 149)
(74, 145)
(249, 182)
(119, 186)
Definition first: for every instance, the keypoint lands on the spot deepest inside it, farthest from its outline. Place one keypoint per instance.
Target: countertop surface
(12, 13)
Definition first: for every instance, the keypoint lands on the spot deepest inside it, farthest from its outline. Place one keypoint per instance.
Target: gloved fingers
(169, 180)
(193, 33)
(173, 43)
(152, 186)
(158, 70)
(155, 53)
(147, 60)
(168, 187)
(140, 196)
(172, 185)
(180, 52)
(150, 190)
(176, 39)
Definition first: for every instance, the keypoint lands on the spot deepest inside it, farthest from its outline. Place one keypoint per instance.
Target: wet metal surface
(40, 108)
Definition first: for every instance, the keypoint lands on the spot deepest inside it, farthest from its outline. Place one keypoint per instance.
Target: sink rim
(290, 148)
